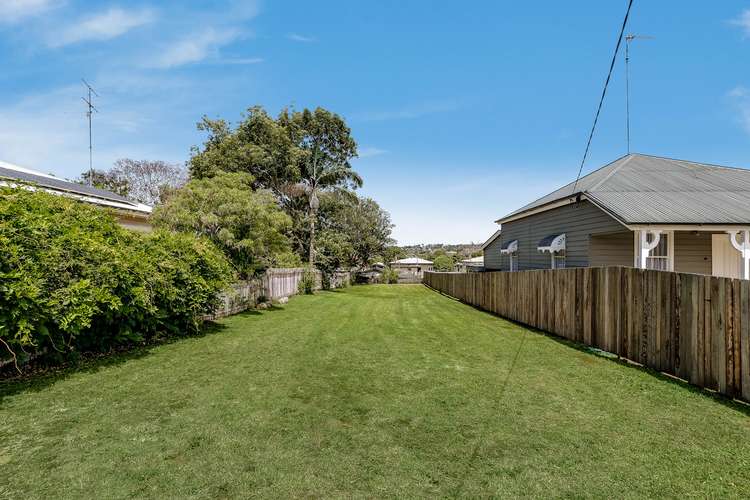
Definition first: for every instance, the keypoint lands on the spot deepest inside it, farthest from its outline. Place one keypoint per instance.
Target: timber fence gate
(691, 326)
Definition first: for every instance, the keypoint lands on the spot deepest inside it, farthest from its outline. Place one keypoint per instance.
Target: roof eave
(560, 202)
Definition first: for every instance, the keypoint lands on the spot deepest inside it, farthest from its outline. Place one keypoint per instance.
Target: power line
(89, 111)
(604, 93)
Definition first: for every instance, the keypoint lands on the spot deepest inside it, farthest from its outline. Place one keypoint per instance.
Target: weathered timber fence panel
(274, 284)
(694, 327)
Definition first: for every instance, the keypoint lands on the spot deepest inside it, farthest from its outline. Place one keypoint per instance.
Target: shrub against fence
(273, 284)
(694, 327)
(72, 280)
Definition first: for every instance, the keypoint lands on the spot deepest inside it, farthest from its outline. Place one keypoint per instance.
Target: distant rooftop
(412, 260)
(11, 174)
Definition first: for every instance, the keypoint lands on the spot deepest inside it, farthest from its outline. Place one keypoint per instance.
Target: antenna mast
(629, 38)
(90, 109)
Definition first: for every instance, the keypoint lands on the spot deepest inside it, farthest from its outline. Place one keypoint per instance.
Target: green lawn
(376, 391)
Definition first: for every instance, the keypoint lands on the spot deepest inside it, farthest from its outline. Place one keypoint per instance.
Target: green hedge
(73, 280)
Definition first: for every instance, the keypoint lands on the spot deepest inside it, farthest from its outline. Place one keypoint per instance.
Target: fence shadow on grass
(734, 404)
(40, 377)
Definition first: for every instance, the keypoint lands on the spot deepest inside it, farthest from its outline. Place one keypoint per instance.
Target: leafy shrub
(73, 280)
(247, 225)
(307, 282)
(326, 281)
(389, 276)
(443, 263)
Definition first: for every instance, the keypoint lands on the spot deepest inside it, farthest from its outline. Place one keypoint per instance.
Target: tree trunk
(312, 238)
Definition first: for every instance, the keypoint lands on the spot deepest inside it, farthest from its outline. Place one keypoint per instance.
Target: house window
(558, 260)
(658, 258)
(555, 245)
(510, 248)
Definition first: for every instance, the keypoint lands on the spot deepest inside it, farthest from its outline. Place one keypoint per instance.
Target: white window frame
(557, 251)
(512, 252)
(556, 258)
(638, 250)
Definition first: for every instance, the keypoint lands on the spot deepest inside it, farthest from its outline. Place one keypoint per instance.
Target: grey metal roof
(492, 238)
(412, 260)
(61, 185)
(643, 189)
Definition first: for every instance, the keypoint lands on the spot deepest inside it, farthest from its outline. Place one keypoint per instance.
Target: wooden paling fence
(274, 284)
(691, 326)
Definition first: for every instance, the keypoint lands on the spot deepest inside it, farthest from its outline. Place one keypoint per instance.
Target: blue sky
(462, 112)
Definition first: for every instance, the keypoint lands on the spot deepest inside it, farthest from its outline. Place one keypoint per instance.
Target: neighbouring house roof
(411, 260)
(13, 174)
(474, 261)
(643, 189)
(492, 238)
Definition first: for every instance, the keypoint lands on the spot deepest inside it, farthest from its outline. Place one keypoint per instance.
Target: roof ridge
(627, 158)
(570, 183)
(713, 165)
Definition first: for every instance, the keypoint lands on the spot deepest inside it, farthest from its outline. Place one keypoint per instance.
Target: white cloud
(241, 60)
(296, 37)
(194, 48)
(49, 131)
(743, 21)
(740, 98)
(369, 152)
(12, 11)
(103, 26)
(409, 112)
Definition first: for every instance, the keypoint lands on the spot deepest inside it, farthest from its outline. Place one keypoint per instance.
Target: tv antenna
(90, 109)
(629, 38)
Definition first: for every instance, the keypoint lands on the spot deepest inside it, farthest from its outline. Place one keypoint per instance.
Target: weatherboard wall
(579, 221)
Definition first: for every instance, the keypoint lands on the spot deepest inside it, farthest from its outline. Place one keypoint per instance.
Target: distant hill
(430, 250)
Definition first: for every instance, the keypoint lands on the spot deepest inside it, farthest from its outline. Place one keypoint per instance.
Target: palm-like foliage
(327, 147)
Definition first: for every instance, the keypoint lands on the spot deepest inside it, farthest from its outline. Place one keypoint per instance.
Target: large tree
(259, 145)
(145, 181)
(150, 181)
(298, 156)
(246, 224)
(324, 165)
(354, 231)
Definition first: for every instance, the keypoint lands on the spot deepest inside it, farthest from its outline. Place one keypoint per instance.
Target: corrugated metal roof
(411, 260)
(642, 189)
(491, 239)
(7, 171)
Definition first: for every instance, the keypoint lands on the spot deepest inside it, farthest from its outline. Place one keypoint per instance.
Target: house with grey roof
(130, 214)
(411, 268)
(640, 211)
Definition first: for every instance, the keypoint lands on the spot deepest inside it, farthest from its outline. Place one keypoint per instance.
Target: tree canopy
(145, 181)
(304, 159)
(246, 224)
(442, 263)
(354, 230)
